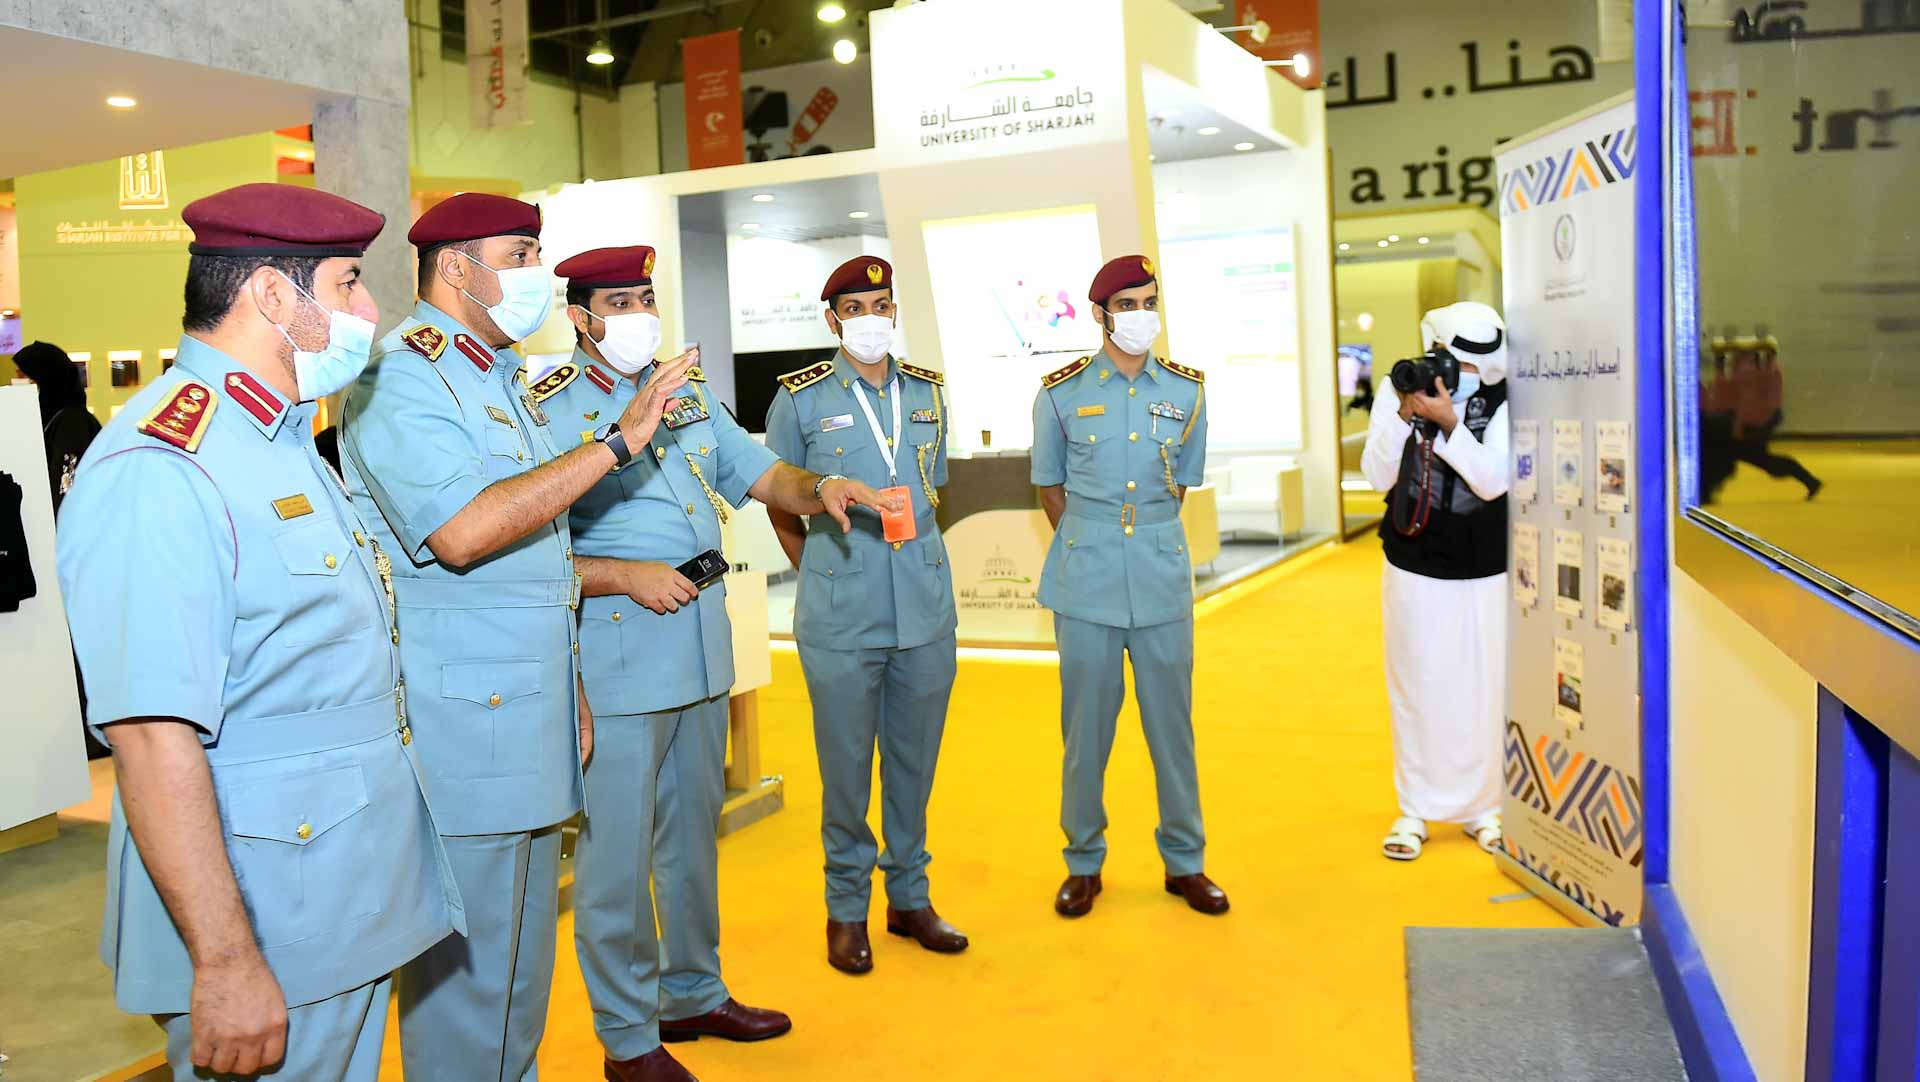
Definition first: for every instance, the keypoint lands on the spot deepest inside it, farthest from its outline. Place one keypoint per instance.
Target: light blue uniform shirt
(215, 572)
(489, 650)
(654, 508)
(1120, 446)
(856, 590)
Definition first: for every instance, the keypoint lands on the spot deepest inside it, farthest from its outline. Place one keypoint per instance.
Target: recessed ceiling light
(857, 215)
(1393, 238)
(830, 13)
(1243, 146)
(763, 197)
(1209, 130)
(845, 50)
(1344, 246)
(1424, 240)
(1382, 243)
(121, 101)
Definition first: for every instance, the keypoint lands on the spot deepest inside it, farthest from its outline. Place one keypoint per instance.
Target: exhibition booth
(1005, 171)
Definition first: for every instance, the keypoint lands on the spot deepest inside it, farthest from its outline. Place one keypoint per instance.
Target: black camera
(1415, 375)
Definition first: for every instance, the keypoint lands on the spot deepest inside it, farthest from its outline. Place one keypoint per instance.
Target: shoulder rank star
(426, 340)
(1061, 375)
(554, 382)
(927, 374)
(1193, 374)
(806, 377)
(181, 418)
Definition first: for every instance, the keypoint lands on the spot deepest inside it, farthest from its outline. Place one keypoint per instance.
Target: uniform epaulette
(181, 419)
(553, 382)
(696, 375)
(927, 374)
(601, 378)
(806, 377)
(426, 340)
(1061, 375)
(1193, 374)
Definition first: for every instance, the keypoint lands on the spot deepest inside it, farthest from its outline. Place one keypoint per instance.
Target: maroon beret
(279, 219)
(609, 268)
(474, 216)
(1124, 273)
(862, 274)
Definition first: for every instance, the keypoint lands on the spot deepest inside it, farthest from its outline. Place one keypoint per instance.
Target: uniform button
(1128, 530)
(359, 538)
(837, 451)
(689, 509)
(1133, 437)
(1131, 391)
(616, 617)
(829, 572)
(1179, 548)
(1104, 373)
(1091, 438)
(304, 831)
(1069, 544)
(520, 457)
(569, 554)
(331, 562)
(396, 638)
(406, 737)
(660, 453)
(494, 700)
(1131, 486)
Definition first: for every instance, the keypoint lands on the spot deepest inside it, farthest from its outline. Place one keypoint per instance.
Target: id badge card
(898, 525)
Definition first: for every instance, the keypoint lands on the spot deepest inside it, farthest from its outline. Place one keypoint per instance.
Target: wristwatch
(609, 434)
(822, 482)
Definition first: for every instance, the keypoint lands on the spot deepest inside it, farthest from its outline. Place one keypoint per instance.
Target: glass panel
(1805, 121)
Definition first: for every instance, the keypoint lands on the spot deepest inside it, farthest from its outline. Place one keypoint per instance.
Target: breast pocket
(321, 605)
(831, 452)
(1096, 440)
(506, 451)
(298, 841)
(489, 704)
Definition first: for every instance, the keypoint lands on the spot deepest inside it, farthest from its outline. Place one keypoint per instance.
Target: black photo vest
(1466, 537)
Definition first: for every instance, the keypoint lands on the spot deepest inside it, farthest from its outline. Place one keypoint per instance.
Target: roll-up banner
(1573, 815)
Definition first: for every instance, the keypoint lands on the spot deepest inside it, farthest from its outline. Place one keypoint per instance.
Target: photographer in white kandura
(1437, 445)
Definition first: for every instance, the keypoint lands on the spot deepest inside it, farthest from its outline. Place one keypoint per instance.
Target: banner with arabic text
(711, 64)
(497, 63)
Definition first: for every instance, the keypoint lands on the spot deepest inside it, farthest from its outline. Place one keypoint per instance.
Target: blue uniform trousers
(655, 788)
(335, 1040)
(896, 699)
(1092, 687)
(474, 1009)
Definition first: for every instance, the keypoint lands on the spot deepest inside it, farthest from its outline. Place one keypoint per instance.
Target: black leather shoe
(1076, 895)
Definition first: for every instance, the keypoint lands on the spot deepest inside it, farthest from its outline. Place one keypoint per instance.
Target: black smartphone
(705, 568)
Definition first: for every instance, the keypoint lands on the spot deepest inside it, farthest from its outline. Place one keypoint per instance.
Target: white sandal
(1405, 840)
(1485, 830)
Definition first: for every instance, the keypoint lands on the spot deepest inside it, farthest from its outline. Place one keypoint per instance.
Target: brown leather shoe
(730, 1021)
(847, 948)
(656, 1066)
(926, 926)
(1076, 895)
(1200, 892)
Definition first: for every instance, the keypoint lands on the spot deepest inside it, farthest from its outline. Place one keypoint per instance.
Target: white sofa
(1200, 514)
(1260, 496)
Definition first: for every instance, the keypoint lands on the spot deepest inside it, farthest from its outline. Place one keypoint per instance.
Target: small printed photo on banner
(1567, 552)
(1569, 670)
(1567, 465)
(1526, 565)
(1611, 451)
(1613, 558)
(1526, 461)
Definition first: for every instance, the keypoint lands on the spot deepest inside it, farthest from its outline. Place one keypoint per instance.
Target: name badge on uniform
(500, 415)
(1168, 410)
(690, 412)
(292, 506)
(1090, 411)
(835, 424)
(927, 416)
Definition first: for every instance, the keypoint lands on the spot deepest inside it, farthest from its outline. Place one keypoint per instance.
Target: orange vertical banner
(711, 66)
(1294, 30)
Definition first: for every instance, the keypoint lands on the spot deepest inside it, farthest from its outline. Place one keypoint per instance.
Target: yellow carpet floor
(1304, 979)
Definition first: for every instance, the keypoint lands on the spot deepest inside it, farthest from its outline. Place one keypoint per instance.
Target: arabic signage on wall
(1015, 77)
(711, 112)
(1805, 122)
(497, 63)
(786, 112)
(1418, 96)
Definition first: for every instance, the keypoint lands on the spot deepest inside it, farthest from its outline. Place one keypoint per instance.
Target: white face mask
(319, 373)
(630, 340)
(526, 295)
(1135, 331)
(867, 338)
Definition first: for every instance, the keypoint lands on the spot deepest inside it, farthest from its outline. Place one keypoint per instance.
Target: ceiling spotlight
(121, 101)
(830, 13)
(1382, 243)
(845, 50)
(1424, 240)
(1344, 246)
(1393, 238)
(1209, 130)
(1302, 67)
(1243, 146)
(763, 197)
(1365, 320)
(601, 53)
(1153, 157)
(858, 215)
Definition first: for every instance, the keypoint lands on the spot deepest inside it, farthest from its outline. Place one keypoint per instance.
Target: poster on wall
(1526, 565)
(712, 107)
(1526, 461)
(1572, 812)
(497, 63)
(792, 111)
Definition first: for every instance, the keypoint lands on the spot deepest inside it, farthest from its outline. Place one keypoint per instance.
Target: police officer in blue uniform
(457, 471)
(1118, 438)
(875, 618)
(659, 669)
(272, 857)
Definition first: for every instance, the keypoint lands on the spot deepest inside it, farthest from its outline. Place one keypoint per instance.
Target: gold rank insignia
(1146, 265)
(927, 374)
(425, 340)
(646, 269)
(695, 375)
(1193, 374)
(181, 419)
(552, 383)
(806, 377)
(874, 273)
(1061, 375)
